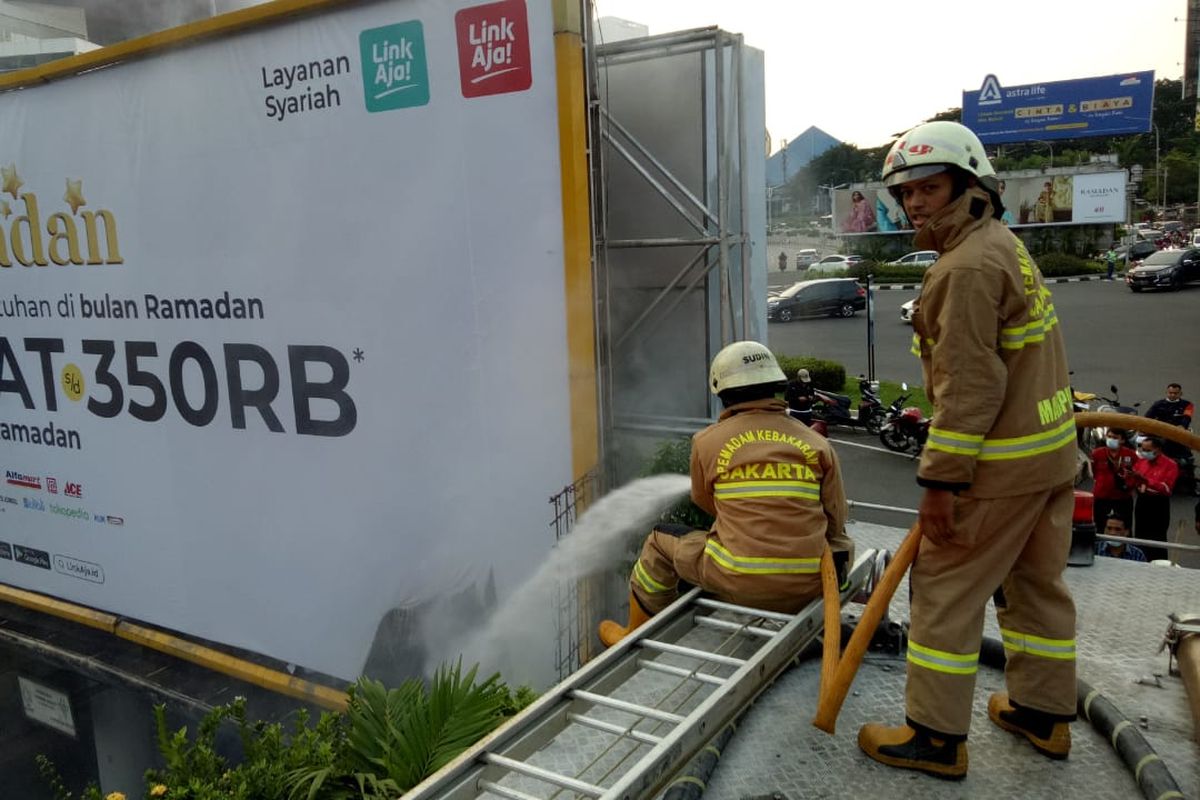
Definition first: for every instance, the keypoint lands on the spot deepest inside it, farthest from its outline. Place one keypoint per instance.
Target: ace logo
(493, 48)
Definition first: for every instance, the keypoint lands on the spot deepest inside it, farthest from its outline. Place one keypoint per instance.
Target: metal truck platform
(1122, 616)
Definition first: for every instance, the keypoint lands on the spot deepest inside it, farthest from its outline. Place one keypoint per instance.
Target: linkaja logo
(493, 48)
(394, 71)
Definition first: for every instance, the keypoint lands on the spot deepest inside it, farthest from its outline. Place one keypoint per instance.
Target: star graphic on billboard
(11, 182)
(74, 195)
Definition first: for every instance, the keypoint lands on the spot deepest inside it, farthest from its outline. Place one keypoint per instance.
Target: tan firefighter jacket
(776, 491)
(993, 359)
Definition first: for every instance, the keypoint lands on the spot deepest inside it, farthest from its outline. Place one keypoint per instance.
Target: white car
(834, 262)
(921, 258)
(906, 311)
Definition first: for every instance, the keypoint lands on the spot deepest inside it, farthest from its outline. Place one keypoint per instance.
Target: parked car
(833, 262)
(906, 311)
(1166, 269)
(921, 258)
(1137, 251)
(806, 258)
(833, 297)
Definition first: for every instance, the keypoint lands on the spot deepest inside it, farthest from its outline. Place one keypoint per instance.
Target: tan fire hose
(1187, 653)
(833, 691)
(1154, 427)
(833, 618)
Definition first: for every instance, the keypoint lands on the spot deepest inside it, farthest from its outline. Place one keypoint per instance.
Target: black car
(1166, 269)
(834, 297)
(1137, 251)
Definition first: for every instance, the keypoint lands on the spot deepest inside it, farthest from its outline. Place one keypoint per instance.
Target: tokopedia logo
(74, 238)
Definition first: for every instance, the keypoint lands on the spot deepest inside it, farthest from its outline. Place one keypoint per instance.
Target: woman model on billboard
(862, 215)
(1043, 211)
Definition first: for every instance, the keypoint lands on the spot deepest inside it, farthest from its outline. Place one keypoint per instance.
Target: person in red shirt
(1154, 477)
(1112, 492)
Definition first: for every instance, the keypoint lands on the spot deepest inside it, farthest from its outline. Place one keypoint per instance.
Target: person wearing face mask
(1154, 477)
(1112, 464)
(1175, 410)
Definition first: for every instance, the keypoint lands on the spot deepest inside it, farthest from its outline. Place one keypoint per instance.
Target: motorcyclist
(799, 396)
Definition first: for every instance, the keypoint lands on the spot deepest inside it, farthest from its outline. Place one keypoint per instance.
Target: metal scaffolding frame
(717, 220)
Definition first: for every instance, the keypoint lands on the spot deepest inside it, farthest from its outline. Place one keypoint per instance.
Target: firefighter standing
(997, 470)
(775, 489)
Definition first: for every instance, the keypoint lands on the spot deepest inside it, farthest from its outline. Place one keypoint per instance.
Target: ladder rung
(753, 612)
(632, 708)
(504, 791)
(703, 677)
(546, 775)
(609, 727)
(735, 627)
(716, 658)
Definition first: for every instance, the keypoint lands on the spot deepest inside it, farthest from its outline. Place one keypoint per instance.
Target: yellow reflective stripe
(751, 565)
(1016, 338)
(942, 660)
(916, 345)
(737, 490)
(1028, 446)
(966, 444)
(1062, 649)
(646, 581)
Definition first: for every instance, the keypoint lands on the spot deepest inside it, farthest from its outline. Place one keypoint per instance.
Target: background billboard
(1105, 106)
(289, 357)
(1043, 199)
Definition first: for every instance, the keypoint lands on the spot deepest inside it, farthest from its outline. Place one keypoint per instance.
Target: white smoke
(518, 640)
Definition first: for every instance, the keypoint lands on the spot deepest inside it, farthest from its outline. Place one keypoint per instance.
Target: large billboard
(1042, 199)
(288, 353)
(1106, 106)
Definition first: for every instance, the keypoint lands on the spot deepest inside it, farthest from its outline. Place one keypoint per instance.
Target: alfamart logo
(87, 237)
(22, 480)
(394, 71)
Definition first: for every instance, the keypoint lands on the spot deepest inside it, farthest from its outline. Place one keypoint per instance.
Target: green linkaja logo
(393, 66)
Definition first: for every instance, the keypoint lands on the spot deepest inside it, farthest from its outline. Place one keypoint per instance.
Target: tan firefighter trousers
(667, 558)
(1018, 544)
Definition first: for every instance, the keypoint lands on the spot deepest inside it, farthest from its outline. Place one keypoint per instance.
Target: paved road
(1140, 342)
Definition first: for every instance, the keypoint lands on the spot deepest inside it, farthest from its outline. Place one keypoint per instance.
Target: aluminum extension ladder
(625, 724)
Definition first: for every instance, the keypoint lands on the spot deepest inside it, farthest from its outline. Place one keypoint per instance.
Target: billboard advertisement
(1105, 106)
(282, 327)
(1043, 199)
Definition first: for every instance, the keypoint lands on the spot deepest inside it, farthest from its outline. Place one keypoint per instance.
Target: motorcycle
(905, 428)
(1094, 437)
(834, 409)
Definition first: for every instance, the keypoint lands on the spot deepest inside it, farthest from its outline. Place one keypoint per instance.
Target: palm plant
(397, 737)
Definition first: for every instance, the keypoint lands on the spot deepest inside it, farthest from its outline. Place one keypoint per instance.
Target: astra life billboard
(289, 353)
(1106, 106)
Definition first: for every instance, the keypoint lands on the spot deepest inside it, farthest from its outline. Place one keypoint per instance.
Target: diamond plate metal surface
(1122, 610)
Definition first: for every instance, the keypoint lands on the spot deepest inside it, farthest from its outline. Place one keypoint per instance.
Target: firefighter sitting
(775, 489)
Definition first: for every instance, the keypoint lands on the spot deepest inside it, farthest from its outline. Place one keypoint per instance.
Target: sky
(865, 70)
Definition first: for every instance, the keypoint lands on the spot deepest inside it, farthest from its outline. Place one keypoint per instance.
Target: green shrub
(828, 375)
(1055, 265)
(886, 273)
(675, 456)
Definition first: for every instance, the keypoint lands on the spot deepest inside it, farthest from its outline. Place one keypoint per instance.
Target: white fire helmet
(930, 148)
(743, 364)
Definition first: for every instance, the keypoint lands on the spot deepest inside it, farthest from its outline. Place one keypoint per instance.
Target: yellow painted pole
(577, 235)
